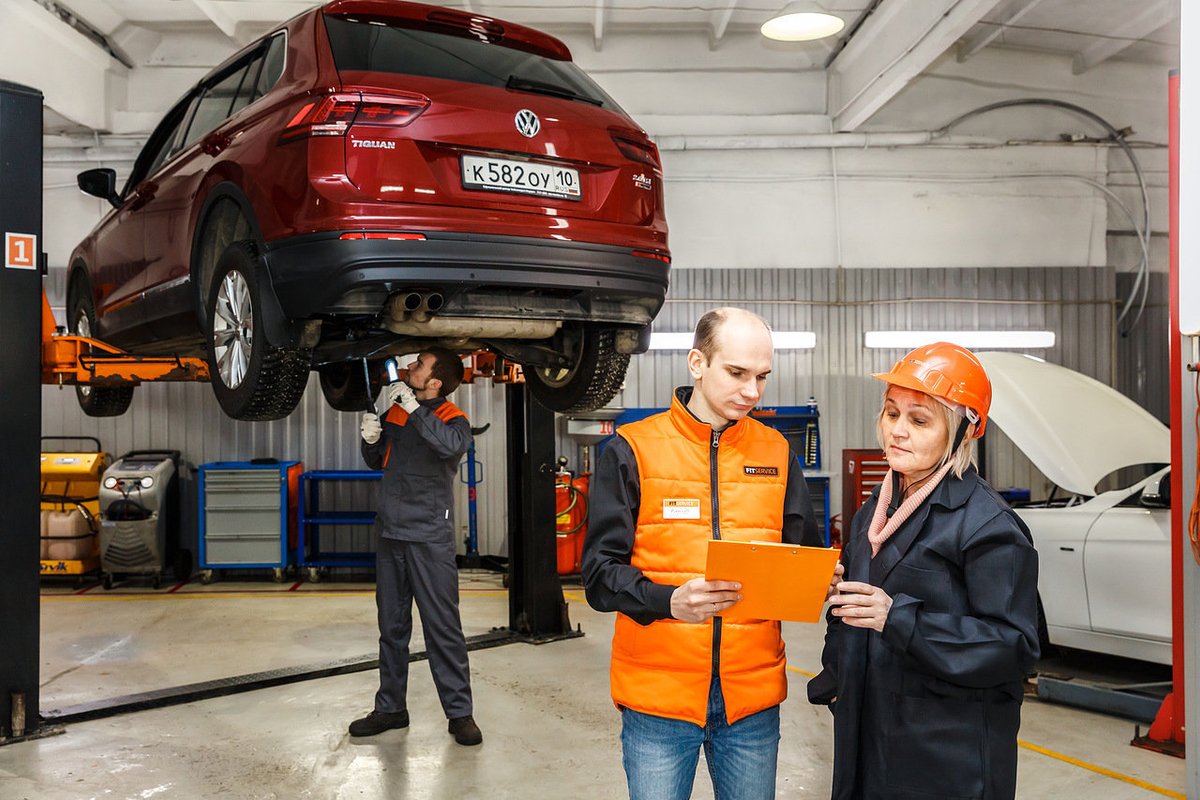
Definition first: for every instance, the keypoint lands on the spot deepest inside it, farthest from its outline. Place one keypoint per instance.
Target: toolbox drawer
(242, 550)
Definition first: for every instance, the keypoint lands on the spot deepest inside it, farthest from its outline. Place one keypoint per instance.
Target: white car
(1104, 559)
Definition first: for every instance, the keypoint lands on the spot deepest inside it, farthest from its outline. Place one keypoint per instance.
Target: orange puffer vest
(665, 668)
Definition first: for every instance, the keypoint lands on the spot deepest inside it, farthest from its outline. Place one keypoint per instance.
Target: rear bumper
(478, 275)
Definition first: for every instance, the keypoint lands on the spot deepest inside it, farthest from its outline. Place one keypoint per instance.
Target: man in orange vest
(681, 676)
(418, 446)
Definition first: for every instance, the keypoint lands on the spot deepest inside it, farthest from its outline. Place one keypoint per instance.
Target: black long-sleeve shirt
(611, 582)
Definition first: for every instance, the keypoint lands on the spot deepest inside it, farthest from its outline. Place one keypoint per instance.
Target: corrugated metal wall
(186, 417)
(1077, 304)
(1144, 368)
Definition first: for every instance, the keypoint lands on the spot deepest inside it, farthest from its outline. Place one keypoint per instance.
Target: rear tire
(81, 320)
(252, 379)
(593, 377)
(345, 387)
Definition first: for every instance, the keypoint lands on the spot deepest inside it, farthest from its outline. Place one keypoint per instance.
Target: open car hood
(1074, 429)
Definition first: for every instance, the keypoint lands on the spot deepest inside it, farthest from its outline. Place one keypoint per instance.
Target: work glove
(402, 395)
(371, 428)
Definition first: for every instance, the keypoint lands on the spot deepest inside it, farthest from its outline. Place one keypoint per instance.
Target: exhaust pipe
(401, 307)
(473, 327)
(417, 306)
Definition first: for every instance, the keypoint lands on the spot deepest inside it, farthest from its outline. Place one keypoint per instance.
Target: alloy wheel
(83, 327)
(233, 329)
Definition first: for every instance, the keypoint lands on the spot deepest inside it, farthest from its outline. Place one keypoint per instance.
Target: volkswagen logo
(528, 123)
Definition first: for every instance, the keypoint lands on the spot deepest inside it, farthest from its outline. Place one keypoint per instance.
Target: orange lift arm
(488, 365)
(68, 359)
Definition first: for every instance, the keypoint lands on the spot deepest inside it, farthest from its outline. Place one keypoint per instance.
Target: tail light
(390, 235)
(663, 257)
(636, 147)
(333, 114)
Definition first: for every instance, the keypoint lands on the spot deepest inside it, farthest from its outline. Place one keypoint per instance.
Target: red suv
(372, 178)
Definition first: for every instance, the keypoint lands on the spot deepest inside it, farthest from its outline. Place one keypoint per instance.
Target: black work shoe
(377, 722)
(465, 731)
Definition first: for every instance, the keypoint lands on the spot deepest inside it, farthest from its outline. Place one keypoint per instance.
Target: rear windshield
(376, 46)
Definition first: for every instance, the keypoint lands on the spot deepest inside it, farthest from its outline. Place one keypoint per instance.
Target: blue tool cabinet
(243, 516)
(312, 518)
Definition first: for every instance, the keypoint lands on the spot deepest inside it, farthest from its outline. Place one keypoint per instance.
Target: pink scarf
(882, 527)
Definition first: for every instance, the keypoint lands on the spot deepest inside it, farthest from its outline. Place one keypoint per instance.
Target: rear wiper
(529, 85)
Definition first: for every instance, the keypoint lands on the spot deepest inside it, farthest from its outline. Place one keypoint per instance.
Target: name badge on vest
(681, 508)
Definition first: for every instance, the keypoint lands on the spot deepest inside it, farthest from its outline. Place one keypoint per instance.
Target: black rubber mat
(178, 695)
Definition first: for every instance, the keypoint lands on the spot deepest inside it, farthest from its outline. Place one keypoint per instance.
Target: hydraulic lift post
(536, 607)
(21, 401)
(1167, 734)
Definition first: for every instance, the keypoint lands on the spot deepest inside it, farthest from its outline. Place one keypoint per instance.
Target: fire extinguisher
(571, 515)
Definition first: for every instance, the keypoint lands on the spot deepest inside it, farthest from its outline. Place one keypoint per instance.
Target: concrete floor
(549, 727)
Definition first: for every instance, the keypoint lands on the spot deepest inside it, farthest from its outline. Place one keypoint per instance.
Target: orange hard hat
(946, 371)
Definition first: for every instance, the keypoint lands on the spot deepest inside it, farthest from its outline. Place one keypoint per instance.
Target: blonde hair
(965, 457)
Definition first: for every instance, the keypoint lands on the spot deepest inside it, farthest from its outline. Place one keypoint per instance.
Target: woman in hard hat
(932, 624)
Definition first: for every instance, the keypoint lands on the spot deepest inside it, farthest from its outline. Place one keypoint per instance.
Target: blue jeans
(660, 754)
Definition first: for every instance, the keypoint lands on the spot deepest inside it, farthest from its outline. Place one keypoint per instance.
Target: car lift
(20, 397)
(69, 359)
(1168, 733)
(537, 608)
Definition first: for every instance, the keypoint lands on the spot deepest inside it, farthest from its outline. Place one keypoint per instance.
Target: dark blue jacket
(930, 707)
(419, 455)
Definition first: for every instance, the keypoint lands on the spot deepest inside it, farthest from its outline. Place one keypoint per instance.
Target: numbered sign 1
(20, 251)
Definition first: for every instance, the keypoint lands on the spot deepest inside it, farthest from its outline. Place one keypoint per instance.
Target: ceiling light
(802, 21)
(783, 340)
(984, 340)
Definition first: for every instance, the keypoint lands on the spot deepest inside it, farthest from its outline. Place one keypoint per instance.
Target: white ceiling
(1091, 30)
(886, 43)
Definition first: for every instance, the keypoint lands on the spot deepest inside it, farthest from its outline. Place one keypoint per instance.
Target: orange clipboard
(779, 581)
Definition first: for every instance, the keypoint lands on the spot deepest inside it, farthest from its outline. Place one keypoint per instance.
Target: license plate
(520, 177)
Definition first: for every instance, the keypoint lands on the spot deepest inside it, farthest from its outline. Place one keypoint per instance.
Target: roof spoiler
(454, 22)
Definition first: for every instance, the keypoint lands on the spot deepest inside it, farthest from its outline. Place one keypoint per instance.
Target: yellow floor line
(806, 673)
(125, 598)
(1108, 773)
(234, 595)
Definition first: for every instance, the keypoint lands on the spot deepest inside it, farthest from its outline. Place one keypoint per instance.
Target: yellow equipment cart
(71, 506)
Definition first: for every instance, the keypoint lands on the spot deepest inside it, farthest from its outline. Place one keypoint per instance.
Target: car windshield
(376, 46)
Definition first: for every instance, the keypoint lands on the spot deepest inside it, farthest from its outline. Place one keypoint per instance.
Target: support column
(20, 404)
(536, 606)
(1185, 383)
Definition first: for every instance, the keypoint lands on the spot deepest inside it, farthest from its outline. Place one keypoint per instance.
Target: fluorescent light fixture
(793, 340)
(783, 340)
(974, 340)
(802, 21)
(671, 341)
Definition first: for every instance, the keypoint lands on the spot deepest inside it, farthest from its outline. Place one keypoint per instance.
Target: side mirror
(1157, 493)
(100, 182)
